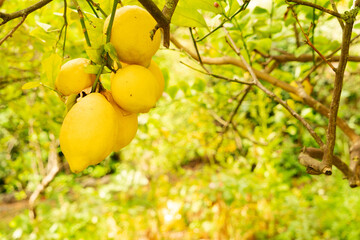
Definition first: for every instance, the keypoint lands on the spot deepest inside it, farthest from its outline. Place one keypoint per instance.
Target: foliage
(175, 180)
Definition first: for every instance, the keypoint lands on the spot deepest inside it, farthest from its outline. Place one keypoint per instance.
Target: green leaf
(44, 26)
(172, 91)
(110, 49)
(188, 17)
(262, 45)
(92, 69)
(233, 7)
(51, 66)
(259, 10)
(30, 85)
(70, 102)
(95, 31)
(95, 53)
(201, 4)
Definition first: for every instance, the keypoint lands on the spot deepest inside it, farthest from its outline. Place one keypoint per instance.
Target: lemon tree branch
(6, 17)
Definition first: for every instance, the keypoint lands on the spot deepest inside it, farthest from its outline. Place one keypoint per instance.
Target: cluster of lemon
(106, 121)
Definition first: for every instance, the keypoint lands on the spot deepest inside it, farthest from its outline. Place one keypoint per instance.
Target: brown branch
(163, 18)
(218, 76)
(355, 164)
(333, 5)
(308, 41)
(308, 58)
(319, 107)
(10, 16)
(318, 154)
(236, 109)
(335, 101)
(13, 30)
(309, 4)
(273, 95)
(52, 172)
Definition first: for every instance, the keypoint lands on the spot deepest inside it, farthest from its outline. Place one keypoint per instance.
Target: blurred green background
(175, 181)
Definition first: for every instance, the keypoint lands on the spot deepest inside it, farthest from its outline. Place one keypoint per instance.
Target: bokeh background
(175, 181)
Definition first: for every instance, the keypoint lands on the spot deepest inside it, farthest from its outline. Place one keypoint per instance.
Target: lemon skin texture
(135, 89)
(72, 77)
(154, 68)
(87, 134)
(127, 124)
(130, 35)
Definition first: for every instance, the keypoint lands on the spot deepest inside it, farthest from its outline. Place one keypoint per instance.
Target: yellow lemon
(72, 77)
(87, 134)
(154, 68)
(127, 124)
(130, 35)
(307, 87)
(135, 89)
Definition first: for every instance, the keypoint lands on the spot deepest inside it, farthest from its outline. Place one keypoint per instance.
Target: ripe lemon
(130, 35)
(87, 134)
(72, 77)
(307, 87)
(127, 124)
(154, 68)
(135, 89)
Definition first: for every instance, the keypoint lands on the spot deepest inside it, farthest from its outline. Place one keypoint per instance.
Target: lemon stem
(108, 36)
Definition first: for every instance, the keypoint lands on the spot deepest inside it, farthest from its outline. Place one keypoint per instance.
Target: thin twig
(309, 4)
(227, 19)
(310, 44)
(310, 101)
(13, 30)
(54, 168)
(81, 15)
(273, 95)
(197, 50)
(97, 6)
(92, 8)
(108, 37)
(218, 76)
(240, 100)
(333, 5)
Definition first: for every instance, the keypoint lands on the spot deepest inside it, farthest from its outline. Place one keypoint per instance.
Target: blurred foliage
(173, 181)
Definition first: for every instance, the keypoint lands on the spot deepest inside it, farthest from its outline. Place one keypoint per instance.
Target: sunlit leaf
(30, 85)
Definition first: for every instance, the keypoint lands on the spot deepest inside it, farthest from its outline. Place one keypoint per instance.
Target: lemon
(87, 134)
(135, 89)
(72, 77)
(307, 87)
(127, 124)
(130, 35)
(154, 68)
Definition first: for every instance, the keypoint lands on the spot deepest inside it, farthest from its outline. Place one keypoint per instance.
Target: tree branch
(54, 168)
(309, 4)
(273, 95)
(278, 83)
(335, 101)
(163, 18)
(317, 106)
(10, 16)
(13, 30)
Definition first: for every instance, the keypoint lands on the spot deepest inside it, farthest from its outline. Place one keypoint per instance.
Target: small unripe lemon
(135, 89)
(130, 35)
(72, 77)
(154, 68)
(127, 124)
(87, 134)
